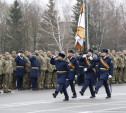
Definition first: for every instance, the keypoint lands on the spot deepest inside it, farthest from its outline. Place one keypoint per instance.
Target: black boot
(92, 97)
(54, 95)
(81, 92)
(66, 100)
(108, 97)
(96, 91)
(74, 96)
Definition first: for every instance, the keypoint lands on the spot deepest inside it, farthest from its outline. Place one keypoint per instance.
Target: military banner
(80, 35)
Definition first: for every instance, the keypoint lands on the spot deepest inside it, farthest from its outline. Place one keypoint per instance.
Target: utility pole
(88, 46)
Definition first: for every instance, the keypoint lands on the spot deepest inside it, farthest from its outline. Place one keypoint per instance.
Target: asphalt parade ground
(41, 101)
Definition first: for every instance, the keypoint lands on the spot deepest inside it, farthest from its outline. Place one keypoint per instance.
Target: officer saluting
(105, 72)
(74, 72)
(89, 69)
(20, 70)
(63, 71)
(35, 70)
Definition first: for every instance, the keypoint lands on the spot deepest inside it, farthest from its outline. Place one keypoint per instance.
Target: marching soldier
(74, 72)
(81, 74)
(26, 78)
(90, 71)
(7, 72)
(105, 72)
(35, 70)
(20, 70)
(63, 70)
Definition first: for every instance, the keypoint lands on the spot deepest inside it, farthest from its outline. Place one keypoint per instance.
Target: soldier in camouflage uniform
(43, 66)
(54, 74)
(7, 71)
(124, 52)
(26, 78)
(1, 72)
(120, 67)
(13, 77)
(48, 80)
(115, 62)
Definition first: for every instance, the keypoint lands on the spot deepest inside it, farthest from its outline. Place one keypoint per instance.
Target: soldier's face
(71, 54)
(21, 54)
(104, 54)
(89, 53)
(7, 56)
(41, 52)
(113, 52)
(60, 58)
(14, 55)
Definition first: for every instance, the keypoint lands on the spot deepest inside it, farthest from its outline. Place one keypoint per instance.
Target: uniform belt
(103, 69)
(72, 69)
(96, 65)
(61, 71)
(81, 66)
(35, 68)
(20, 66)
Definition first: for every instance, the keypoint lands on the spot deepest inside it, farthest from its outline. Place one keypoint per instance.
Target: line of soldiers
(17, 71)
(86, 65)
(119, 60)
(47, 78)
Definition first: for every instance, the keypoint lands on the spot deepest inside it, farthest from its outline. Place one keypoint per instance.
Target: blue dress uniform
(90, 78)
(105, 69)
(35, 70)
(81, 74)
(63, 71)
(73, 71)
(20, 71)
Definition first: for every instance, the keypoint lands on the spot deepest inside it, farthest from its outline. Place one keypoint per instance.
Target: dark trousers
(70, 82)
(34, 82)
(19, 82)
(80, 79)
(105, 83)
(62, 87)
(86, 84)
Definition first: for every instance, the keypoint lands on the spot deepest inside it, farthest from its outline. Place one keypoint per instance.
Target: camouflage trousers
(1, 82)
(48, 80)
(125, 75)
(114, 78)
(6, 80)
(41, 80)
(26, 81)
(12, 81)
(54, 79)
(119, 75)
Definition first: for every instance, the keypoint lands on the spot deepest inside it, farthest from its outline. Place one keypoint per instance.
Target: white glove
(110, 76)
(19, 54)
(55, 56)
(76, 76)
(84, 55)
(91, 58)
(85, 69)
